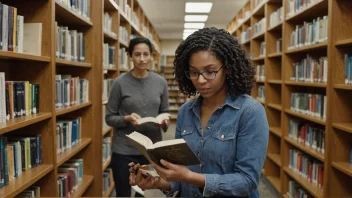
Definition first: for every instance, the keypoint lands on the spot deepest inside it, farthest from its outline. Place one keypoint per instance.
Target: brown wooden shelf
(72, 108)
(278, 82)
(110, 5)
(305, 84)
(276, 158)
(307, 117)
(263, 171)
(83, 186)
(110, 35)
(276, 131)
(275, 181)
(68, 153)
(259, 9)
(246, 42)
(5, 55)
(312, 189)
(106, 164)
(309, 11)
(25, 180)
(109, 191)
(275, 106)
(308, 48)
(343, 86)
(24, 121)
(259, 36)
(306, 149)
(62, 62)
(260, 100)
(106, 131)
(123, 43)
(345, 42)
(259, 58)
(109, 69)
(275, 55)
(123, 69)
(347, 127)
(344, 167)
(275, 27)
(69, 16)
(260, 81)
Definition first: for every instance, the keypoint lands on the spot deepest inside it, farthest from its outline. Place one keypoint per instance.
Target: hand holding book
(161, 120)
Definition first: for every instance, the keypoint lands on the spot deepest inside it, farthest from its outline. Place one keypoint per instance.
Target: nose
(201, 79)
(142, 57)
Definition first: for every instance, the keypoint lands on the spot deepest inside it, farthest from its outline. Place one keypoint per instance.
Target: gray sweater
(148, 97)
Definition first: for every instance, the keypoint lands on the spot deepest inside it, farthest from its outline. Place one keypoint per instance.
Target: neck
(215, 102)
(138, 73)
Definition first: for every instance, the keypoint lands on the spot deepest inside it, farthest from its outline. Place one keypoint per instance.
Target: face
(204, 61)
(141, 56)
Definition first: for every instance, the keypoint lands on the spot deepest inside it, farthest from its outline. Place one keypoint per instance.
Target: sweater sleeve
(112, 116)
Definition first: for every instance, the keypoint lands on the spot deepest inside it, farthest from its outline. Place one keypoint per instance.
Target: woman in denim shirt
(226, 128)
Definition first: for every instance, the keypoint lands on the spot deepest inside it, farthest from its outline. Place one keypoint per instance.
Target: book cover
(176, 151)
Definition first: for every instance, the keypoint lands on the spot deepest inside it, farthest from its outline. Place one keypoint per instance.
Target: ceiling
(167, 16)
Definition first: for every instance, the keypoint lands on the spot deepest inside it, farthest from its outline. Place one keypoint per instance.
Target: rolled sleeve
(174, 187)
(211, 185)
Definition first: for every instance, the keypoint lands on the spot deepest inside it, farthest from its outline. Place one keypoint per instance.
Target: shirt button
(222, 136)
(201, 165)
(209, 127)
(201, 141)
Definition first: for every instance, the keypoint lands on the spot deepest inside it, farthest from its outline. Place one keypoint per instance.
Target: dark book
(7, 100)
(176, 151)
(2, 164)
(1, 10)
(10, 29)
(5, 160)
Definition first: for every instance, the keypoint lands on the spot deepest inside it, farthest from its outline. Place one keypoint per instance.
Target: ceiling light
(189, 30)
(198, 7)
(194, 25)
(196, 18)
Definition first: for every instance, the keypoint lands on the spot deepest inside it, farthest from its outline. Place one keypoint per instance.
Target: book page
(141, 139)
(147, 119)
(169, 143)
(163, 116)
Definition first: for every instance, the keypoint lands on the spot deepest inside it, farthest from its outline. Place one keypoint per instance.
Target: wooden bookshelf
(72, 108)
(5, 55)
(66, 14)
(106, 164)
(61, 62)
(68, 153)
(275, 181)
(82, 187)
(276, 158)
(279, 87)
(109, 191)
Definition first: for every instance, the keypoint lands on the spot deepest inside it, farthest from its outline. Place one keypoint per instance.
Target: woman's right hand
(132, 119)
(143, 181)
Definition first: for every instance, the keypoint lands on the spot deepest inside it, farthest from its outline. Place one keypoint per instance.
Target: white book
(32, 38)
(20, 33)
(5, 27)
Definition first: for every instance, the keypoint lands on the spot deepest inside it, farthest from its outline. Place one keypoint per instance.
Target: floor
(265, 188)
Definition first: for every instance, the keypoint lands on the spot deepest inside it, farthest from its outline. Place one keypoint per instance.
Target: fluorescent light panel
(189, 30)
(196, 18)
(194, 25)
(198, 7)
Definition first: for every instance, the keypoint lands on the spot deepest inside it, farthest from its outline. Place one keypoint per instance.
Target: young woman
(226, 128)
(138, 93)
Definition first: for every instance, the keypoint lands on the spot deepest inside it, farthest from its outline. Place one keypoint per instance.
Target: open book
(175, 151)
(158, 119)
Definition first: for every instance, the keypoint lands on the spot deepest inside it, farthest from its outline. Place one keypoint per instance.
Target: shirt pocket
(186, 131)
(224, 140)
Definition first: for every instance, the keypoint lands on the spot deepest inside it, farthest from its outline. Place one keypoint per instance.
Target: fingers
(135, 116)
(167, 164)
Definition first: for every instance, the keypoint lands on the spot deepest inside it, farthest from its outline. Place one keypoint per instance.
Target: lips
(204, 90)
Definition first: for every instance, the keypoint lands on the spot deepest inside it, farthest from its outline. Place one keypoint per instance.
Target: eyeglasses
(209, 75)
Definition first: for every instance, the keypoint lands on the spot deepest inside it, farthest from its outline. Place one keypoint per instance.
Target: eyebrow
(207, 66)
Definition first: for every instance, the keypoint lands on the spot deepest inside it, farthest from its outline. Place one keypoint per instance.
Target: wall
(168, 47)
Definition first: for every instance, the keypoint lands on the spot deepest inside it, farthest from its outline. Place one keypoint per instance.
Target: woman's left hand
(172, 172)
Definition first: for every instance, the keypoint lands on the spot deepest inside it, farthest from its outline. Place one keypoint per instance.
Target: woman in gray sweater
(138, 93)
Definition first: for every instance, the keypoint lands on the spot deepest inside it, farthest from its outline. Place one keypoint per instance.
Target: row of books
(310, 69)
(123, 34)
(259, 27)
(348, 69)
(257, 3)
(310, 104)
(70, 44)
(107, 23)
(296, 6)
(177, 100)
(107, 84)
(33, 191)
(307, 167)
(107, 179)
(18, 154)
(246, 35)
(80, 7)
(68, 133)
(124, 8)
(108, 56)
(123, 58)
(279, 45)
(307, 134)
(260, 72)
(17, 99)
(276, 17)
(70, 91)
(261, 92)
(135, 20)
(70, 175)
(309, 33)
(106, 148)
(173, 87)
(262, 51)
(17, 36)
(296, 191)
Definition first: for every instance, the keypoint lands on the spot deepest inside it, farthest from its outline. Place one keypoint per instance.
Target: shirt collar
(235, 103)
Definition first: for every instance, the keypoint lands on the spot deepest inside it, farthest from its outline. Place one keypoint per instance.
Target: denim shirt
(232, 150)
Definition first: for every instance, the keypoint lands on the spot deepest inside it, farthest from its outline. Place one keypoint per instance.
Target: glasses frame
(201, 73)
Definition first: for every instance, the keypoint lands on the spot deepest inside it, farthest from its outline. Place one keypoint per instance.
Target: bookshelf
(279, 86)
(42, 70)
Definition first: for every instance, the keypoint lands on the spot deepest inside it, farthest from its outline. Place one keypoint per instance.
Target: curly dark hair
(240, 73)
(138, 40)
